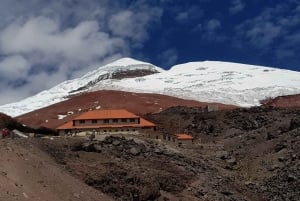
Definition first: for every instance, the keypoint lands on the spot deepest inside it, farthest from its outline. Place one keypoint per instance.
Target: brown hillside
(283, 101)
(138, 103)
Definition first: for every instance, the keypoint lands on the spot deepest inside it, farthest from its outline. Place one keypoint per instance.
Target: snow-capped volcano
(208, 81)
(213, 81)
(63, 90)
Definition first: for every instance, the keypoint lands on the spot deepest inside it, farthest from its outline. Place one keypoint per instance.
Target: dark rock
(280, 146)
(222, 155)
(295, 123)
(157, 151)
(228, 193)
(274, 167)
(291, 178)
(116, 142)
(97, 147)
(231, 161)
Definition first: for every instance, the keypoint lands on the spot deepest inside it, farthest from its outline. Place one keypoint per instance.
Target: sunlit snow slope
(70, 87)
(208, 81)
(213, 81)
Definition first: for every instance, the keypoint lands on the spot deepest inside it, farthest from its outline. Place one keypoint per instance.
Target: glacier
(207, 81)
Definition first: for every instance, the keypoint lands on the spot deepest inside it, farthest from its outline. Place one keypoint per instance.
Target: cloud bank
(43, 43)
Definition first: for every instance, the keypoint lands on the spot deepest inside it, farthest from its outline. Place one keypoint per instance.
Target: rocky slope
(241, 154)
(11, 124)
(27, 173)
(260, 146)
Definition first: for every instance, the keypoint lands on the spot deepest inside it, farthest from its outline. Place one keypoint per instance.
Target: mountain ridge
(208, 81)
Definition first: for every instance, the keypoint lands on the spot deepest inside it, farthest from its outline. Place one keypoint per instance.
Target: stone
(135, 151)
(274, 167)
(281, 159)
(291, 178)
(116, 142)
(157, 151)
(222, 155)
(231, 161)
(76, 195)
(97, 147)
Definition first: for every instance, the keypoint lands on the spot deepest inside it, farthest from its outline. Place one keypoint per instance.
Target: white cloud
(236, 6)
(129, 25)
(81, 43)
(13, 66)
(45, 42)
(271, 26)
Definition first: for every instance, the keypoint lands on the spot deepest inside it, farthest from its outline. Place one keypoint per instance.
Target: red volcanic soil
(283, 101)
(138, 103)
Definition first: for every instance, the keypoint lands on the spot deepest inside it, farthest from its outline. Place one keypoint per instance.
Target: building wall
(106, 121)
(101, 131)
(184, 142)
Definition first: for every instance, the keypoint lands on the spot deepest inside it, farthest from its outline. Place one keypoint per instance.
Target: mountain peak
(126, 61)
(206, 81)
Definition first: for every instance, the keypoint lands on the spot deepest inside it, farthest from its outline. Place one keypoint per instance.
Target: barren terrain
(138, 103)
(242, 154)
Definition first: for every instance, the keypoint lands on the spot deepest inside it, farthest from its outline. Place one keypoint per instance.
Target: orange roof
(106, 114)
(184, 137)
(122, 114)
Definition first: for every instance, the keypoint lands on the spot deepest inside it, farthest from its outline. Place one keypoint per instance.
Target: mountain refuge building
(107, 122)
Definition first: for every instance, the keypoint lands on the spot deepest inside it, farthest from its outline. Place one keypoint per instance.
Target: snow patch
(61, 116)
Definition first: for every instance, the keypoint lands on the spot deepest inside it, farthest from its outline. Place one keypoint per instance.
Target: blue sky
(43, 43)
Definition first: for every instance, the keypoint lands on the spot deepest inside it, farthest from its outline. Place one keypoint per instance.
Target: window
(81, 121)
(131, 120)
(124, 120)
(115, 120)
(94, 121)
(106, 121)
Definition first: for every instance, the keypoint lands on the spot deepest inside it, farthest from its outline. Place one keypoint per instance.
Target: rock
(97, 147)
(274, 167)
(86, 146)
(222, 155)
(25, 195)
(158, 151)
(291, 178)
(282, 159)
(135, 151)
(295, 123)
(3, 173)
(227, 192)
(280, 146)
(76, 195)
(294, 157)
(116, 142)
(249, 183)
(231, 161)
